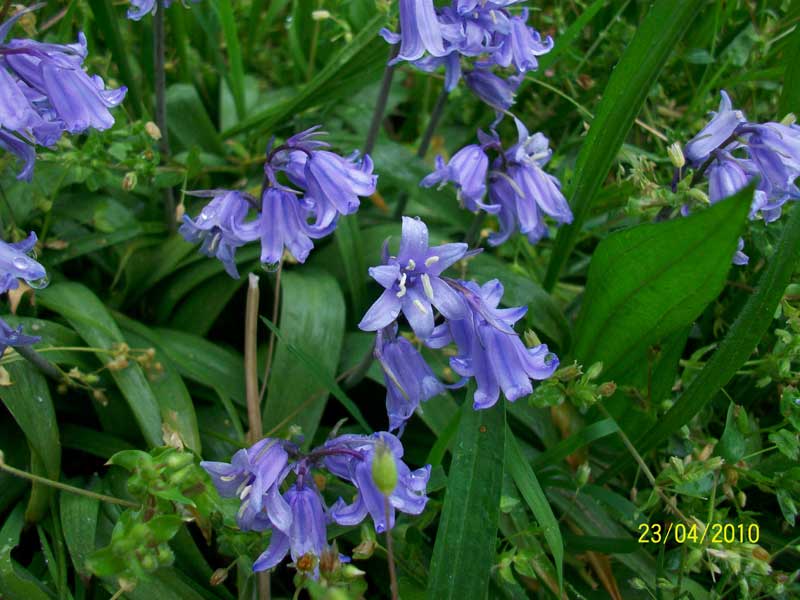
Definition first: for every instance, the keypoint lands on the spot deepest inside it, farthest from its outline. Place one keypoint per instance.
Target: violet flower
(467, 171)
(488, 348)
(419, 31)
(408, 378)
(413, 283)
(721, 127)
(521, 45)
(297, 516)
(492, 89)
(16, 263)
(44, 92)
(10, 336)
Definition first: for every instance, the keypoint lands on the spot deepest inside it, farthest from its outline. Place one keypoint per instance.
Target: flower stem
(360, 370)
(474, 234)
(263, 583)
(276, 300)
(380, 103)
(40, 362)
(161, 107)
(251, 361)
(390, 552)
(63, 486)
(433, 122)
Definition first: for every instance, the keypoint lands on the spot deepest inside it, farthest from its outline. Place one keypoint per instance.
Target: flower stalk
(160, 78)
(250, 361)
(380, 103)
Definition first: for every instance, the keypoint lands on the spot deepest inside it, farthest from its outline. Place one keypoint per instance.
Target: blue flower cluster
(488, 347)
(321, 186)
(521, 193)
(141, 8)
(274, 481)
(484, 33)
(17, 262)
(45, 92)
(731, 151)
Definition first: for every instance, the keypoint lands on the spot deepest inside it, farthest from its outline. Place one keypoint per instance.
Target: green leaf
(637, 295)
(198, 312)
(574, 442)
(189, 122)
(236, 75)
(527, 484)
(623, 97)
(89, 317)
(325, 83)
(15, 582)
(743, 336)
(790, 97)
(786, 442)
(79, 524)
(467, 534)
(351, 252)
(28, 400)
(97, 443)
(204, 362)
(177, 410)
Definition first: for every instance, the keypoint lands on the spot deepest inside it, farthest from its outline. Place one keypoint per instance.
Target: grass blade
(630, 82)
(467, 534)
(231, 33)
(528, 485)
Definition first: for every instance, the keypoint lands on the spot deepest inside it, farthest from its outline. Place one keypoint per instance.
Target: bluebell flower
(301, 532)
(294, 511)
(467, 171)
(413, 283)
(408, 378)
(726, 176)
(490, 350)
(716, 133)
(44, 91)
(141, 8)
(419, 31)
(14, 337)
(16, 263)
(220, 226)
(408, 496)
(496, 91)
(739, 257)
(521, 45)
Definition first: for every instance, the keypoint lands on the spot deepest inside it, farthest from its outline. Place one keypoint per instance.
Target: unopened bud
(676, 156)
(100, 396)
(320, 15)
(152, 130)
(129, 181)
(638, 584)
(384, 470)
(584, 470)
(218, 577)
(531, 339)
(607, 389)
(789, 120)
(594, 371)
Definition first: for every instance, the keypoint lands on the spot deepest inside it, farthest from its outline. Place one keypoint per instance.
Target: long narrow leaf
(623, 97)
(236, 77)
(467, 535)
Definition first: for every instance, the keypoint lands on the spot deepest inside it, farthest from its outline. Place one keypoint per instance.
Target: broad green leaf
(97, 443)
(743, 336)
(94, 242)
(525, 479)
(79, 525)
(790, 97)
(312, 319)
(89, 317)
(28, 400)
(16, 582)
(467, 534)
(329, 82)
(627, 88)
(574, 442)
(177, 410)
(205, 362)
(189, 122)
(197, 313)
(351, 252)
(652, 280)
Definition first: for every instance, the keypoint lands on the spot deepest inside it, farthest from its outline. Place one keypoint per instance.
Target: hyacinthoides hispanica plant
(645, 411)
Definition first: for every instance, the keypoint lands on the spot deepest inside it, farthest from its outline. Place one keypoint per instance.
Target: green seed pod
(384, 470)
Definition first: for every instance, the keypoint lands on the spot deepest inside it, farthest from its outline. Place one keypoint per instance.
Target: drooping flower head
(319, 186)
(17, 263)
(45, 92)
(413, 283)
(408, 378)
(10, 336)
(490, 350)
(278, 492)
(521, 193)
(420, 31)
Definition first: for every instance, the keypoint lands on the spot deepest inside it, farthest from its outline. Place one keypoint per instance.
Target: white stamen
(411, 264)
(402, 284)
(494, 17)
(245, 492)
(227, 478)
(242, 508)
(421, 307)
(426, 285)
(431, 260)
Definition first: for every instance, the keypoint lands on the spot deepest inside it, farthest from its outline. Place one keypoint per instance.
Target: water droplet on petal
(38, 284)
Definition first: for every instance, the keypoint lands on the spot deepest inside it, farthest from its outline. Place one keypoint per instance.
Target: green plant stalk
(380, 102)
(40, 362)
(390, 552)
(751, 324)
(630, 82)
(276, 301)
(63, 486)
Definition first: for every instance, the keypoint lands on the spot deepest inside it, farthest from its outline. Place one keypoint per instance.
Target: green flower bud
(384, 470)
(675, 154)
